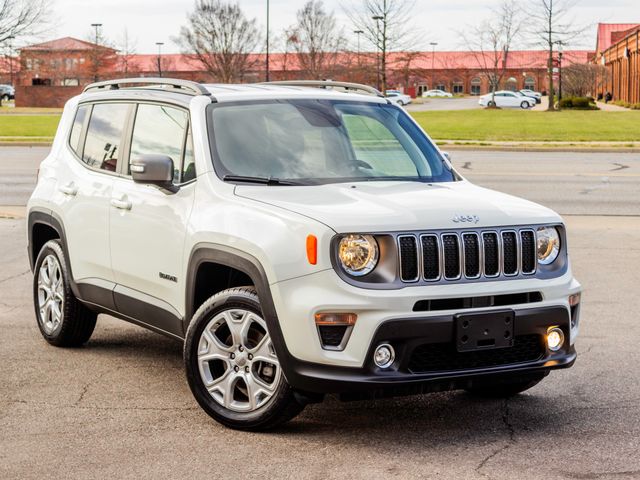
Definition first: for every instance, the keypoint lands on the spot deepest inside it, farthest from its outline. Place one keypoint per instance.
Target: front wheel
(525, 105)
(231, 364)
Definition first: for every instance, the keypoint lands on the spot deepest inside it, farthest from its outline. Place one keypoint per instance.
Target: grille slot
(451, 255)
(441, 357)
(467, 255)
(430, 257)
(332, 335)
(471, 255)
(510, 253)
(408, 248)
(529, 260)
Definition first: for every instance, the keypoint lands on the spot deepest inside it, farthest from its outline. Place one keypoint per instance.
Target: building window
(458, 87)
(41, 81)
(70, 82)
(423, 87)
(512, 84)
(441, 86)
(530, 83)
(476, 85)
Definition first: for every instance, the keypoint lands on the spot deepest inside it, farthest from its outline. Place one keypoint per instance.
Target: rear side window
(104, 135)
(76, 128)
(160, 130)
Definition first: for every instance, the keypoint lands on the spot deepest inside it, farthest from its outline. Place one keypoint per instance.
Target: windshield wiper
(261, 180)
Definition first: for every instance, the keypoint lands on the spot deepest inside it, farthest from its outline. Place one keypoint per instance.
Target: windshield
(321, 141)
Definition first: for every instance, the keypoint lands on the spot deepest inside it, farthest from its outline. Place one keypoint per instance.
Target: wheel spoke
(236, 324)
(264, 352)
(229, 387)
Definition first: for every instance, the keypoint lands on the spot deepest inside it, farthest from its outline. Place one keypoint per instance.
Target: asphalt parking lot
(120, 407)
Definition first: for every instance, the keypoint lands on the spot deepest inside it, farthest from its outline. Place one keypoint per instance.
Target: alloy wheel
(50, 294)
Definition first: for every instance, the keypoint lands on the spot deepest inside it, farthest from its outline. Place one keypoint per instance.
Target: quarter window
(104, 136)
(160, 130)
(76, 129)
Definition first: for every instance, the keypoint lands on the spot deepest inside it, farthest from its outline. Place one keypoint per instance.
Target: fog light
(384, 356)
(555, 339)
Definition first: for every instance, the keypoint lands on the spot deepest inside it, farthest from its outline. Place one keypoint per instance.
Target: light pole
(358, 33)
(10, 38)
(160, 44)
(267, 59)
(560, 53)
(377, 18)
(433, 57)
(95, 60)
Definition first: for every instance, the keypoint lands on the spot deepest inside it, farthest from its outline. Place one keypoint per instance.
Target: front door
(148, 224)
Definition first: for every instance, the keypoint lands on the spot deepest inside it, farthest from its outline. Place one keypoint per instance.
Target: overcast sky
(151, 21)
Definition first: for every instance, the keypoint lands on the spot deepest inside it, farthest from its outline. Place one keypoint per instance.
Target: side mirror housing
(153, 169)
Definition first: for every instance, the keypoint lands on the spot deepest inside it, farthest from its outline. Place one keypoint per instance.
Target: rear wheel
(62, 319)
(504, 388)
(231, 364)
(491, 104)
(525, 105)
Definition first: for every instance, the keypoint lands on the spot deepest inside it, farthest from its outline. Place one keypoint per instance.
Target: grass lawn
(522, 126)
(28, 126)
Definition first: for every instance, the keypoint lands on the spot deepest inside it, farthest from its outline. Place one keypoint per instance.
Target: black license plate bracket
(484, 331)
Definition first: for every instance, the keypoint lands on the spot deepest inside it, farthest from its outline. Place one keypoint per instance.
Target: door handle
(121, 204)
(69, 189)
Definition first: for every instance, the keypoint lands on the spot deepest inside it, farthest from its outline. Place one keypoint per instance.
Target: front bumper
(409, 338)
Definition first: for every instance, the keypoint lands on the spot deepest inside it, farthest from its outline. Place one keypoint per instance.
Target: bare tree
(491, 41)
(316, 39)
(580, 80)
(21, 17)
(126, 48)
(553, 25)
(222, 38)
(102, 55)
(387, 26)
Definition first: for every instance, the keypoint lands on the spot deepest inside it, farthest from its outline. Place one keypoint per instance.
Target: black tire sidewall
(266, 415)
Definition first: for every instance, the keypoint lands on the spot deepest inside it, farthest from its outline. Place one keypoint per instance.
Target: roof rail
(328, 84)
(184, 86)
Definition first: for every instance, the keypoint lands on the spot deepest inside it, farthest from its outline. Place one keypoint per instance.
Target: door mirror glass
(153, 169)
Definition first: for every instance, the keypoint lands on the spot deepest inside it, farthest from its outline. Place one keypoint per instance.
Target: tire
(491, 104)
(506, 387)
(62, 319)
(5, 98)
(224, 339)
(525, 105)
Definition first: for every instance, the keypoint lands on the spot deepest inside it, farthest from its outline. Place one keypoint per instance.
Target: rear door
(84, 190)
(148, 224)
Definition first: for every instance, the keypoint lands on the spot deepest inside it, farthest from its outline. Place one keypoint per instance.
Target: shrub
(581, 103)
(566, 102)
(578, 103)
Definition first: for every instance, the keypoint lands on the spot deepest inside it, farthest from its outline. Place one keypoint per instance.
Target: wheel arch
(248, 265)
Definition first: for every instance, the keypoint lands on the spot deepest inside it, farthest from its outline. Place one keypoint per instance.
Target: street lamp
(267, 59)
(377, 18)
(560, 53)
(95, 60)
(358, 33)
(433, 57)
(160, 44)
(11, 38)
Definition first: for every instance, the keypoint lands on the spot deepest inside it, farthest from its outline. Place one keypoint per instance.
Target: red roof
(66, 43)
(607, 34)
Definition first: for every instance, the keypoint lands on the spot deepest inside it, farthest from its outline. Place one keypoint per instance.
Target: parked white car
(398, 98)
(301, 239)
(436, 93)
(533, 94)
(507, 99)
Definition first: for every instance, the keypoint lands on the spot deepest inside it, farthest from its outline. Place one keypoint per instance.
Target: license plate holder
(484, 331)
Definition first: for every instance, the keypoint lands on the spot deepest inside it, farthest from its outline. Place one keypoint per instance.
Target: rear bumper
(407, 336)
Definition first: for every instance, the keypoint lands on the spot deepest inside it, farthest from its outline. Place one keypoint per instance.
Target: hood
(401, 206)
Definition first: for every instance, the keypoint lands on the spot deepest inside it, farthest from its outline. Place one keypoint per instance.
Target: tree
(491, 41)
(126, 48)
(580, 80)
(316, 39)
(552, 25)
(21, 17)
(387, 26)
(222, 39)
(102, 55)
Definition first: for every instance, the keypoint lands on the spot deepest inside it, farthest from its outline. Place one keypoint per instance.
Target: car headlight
(358, 254)
(548, 245)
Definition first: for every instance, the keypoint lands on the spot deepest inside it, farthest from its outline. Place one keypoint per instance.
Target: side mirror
(153, 169)
(447, 155)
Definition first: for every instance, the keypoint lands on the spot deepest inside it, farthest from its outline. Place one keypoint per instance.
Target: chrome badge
(466, 219)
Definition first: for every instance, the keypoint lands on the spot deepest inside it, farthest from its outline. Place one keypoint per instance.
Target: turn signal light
(312, 249)
(348, 319)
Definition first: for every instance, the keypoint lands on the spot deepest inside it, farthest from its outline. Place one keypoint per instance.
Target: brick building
(53, 71)
(618, 50)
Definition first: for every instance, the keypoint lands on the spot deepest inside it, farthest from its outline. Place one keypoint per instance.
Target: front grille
(443, 357)
(467, 255)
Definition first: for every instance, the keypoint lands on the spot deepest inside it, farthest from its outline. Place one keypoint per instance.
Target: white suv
(302, 238)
